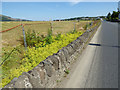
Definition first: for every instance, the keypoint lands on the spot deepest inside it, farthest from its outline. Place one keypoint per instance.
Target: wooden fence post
(51, 26)
(74, 26)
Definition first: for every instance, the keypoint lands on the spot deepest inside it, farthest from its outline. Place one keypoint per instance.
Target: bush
(32, 38)
(48, 39)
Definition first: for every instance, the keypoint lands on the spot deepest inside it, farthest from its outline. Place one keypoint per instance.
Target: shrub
(32, 38)
(48, 39)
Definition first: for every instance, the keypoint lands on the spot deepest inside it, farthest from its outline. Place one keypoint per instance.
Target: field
(12, 40)
(12, 37)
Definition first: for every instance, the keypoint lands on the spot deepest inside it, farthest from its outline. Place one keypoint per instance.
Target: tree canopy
(114, 16)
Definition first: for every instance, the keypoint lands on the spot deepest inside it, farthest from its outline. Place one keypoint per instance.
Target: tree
(114, 16)
(118, 9)
(109, 16)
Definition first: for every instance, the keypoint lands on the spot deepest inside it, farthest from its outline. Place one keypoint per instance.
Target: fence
(25, 26)
(18, 26)
(13, 36)
(50, 23)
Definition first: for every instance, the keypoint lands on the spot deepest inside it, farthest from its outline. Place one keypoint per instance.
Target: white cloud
(74, 2)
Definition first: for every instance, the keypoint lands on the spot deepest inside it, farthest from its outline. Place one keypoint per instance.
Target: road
(97, 66)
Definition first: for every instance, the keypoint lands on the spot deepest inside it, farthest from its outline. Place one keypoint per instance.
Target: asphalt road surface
(97, 67)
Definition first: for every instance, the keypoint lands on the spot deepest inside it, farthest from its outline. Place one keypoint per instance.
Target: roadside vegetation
(40, 46)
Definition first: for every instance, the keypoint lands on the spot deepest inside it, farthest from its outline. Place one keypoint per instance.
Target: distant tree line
(5, 19)
(81, 18)
(114, 16)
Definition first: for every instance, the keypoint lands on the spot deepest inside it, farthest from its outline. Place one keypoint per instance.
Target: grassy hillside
(7, 18)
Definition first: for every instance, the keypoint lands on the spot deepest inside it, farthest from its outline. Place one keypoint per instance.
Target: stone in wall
(70, 49)
(62, 58)
(23, 82)
(37, 77)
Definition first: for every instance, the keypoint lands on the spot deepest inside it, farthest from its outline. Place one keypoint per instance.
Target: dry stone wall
(46, 74)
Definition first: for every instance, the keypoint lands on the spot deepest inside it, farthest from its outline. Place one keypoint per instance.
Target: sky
(56, 10)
